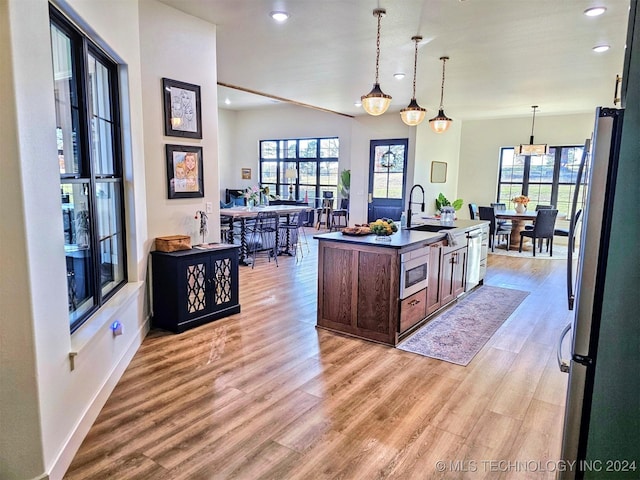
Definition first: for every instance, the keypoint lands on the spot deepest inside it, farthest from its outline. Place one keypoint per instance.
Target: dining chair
(538, 208)
(542, 229)
(473, 211)
(501, 207)
(263, 236)
(564, 232)
(292, 233)
(495, 230)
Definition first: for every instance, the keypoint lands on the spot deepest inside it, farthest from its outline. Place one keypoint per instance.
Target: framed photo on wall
(182, 109)
(246, 173)
(184, 171)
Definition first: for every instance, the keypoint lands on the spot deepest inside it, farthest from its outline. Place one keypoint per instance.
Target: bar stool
(324, 213)
(338, 220)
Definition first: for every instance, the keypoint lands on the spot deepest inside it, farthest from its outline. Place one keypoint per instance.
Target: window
(546, 180)
(300, 168)
(90, 163)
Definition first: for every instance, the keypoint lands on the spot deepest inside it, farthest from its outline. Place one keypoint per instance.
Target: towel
(451, 239)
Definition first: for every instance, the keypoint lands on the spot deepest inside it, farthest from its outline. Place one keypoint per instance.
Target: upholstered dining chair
(495, 230)
(542, 229)
(539, 207)
(502, 207)
(564, 232)
(474, 214)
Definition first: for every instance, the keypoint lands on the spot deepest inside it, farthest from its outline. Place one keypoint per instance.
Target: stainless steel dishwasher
(474, 255)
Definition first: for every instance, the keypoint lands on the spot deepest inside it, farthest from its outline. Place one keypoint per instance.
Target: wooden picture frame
(182, 109)
(184, 171)
(438, 172)
(246, 173)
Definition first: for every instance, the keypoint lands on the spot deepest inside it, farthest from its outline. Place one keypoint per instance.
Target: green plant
(345, 183)
(442, 201)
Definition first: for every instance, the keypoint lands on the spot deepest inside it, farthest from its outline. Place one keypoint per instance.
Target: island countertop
(407, 237)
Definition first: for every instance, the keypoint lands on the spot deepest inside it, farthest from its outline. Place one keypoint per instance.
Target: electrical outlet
(209, 207)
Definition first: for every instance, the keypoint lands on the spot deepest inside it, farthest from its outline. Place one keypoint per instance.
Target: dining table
(241, 216)
(518, 222)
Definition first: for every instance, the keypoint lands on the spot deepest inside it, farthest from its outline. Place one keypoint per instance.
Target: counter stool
(338, 220)
(325, 211)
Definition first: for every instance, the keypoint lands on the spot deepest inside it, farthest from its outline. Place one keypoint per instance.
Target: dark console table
(193, 287)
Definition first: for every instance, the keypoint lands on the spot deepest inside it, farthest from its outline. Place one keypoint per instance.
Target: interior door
(387, 165)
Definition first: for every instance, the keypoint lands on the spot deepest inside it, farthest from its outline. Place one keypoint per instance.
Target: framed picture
(246, 173)
(182, 115)
(438, 172)
(184, 171)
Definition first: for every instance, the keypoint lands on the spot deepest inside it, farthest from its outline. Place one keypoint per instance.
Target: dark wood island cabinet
(360, 282)
(193, 287)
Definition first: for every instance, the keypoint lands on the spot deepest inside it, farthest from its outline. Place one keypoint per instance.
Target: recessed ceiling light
(227, 101)
(594, 11)
(601, 48)
(358, 104)
(279, 16)
(399, 75)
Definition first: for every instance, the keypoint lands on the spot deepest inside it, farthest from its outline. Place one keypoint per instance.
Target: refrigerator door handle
(562, 364)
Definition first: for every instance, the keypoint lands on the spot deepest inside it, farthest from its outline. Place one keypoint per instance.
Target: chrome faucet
(412, 202)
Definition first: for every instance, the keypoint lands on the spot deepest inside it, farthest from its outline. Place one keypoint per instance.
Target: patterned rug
(459, 333)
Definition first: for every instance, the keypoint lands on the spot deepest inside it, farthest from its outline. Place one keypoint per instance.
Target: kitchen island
(384, 290)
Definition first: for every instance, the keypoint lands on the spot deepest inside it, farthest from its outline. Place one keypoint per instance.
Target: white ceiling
(505, 55)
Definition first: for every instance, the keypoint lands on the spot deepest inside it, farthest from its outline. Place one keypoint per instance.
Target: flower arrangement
(383, 227)
(253, 194)
(523, 199)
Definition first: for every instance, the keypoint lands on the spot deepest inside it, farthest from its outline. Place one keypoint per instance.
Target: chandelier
(532, 149)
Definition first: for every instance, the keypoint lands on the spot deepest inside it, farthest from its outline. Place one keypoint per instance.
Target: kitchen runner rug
(459, 333)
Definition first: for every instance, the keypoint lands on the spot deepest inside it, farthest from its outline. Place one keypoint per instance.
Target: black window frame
(81, 47)
(283, 153)
(556, 183)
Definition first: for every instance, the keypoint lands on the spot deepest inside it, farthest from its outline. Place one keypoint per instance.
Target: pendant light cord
(379, 14)
(444, 61)
(415, 67)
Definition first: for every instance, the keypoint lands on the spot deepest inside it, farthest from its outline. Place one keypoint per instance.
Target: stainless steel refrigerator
(601, 437)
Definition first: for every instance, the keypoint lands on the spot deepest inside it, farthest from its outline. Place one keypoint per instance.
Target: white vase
(520, 208)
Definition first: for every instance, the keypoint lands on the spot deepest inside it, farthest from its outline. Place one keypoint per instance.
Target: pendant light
(413, 114)
(440, 123)
(376, 102)
(532, 149)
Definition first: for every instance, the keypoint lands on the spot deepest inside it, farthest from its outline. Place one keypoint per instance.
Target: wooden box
(173, 243)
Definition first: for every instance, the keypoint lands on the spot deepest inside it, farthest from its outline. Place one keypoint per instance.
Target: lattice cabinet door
(192, 287)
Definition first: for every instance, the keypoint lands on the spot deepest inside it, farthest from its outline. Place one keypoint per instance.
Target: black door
(387, 165)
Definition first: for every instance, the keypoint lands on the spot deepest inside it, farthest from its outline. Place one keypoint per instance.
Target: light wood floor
(264, 394)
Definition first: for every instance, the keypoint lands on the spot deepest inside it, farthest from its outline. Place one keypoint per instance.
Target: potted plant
(345, 185)
(442, 201)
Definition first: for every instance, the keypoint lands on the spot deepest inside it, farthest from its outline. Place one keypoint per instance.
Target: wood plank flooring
(265, 395)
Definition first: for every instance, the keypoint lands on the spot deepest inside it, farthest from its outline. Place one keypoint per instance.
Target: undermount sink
(426, 227)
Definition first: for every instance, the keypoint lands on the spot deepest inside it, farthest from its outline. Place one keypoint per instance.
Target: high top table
(242, 214)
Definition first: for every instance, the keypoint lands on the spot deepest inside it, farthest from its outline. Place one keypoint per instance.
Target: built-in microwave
(414, 270)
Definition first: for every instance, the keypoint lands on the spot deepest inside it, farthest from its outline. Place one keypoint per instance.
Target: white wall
(481, 141)
(243, 130)
(180, 47)
(45, 407)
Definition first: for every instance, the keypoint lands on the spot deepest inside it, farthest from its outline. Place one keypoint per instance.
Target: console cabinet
(193, 287)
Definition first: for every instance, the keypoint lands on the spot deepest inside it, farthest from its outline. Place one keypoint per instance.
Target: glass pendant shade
(440, 123)
(375, 102)
(414, 114)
